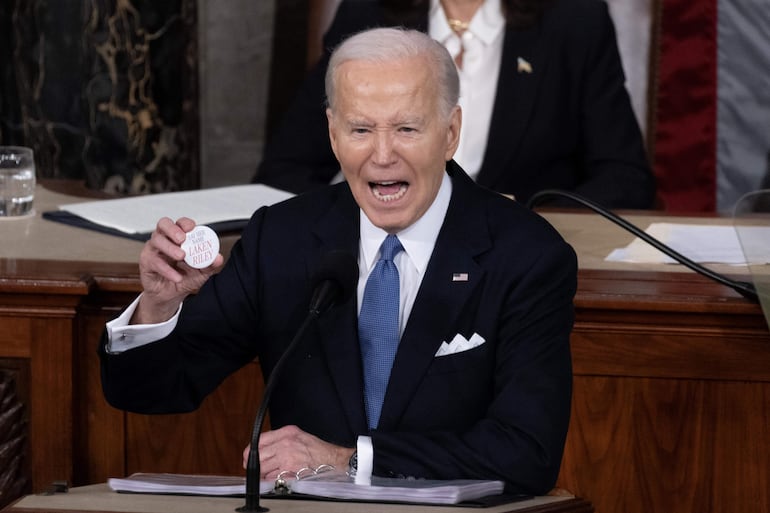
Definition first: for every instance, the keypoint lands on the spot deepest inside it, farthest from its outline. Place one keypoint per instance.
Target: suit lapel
(338, 331)
(440, 299)
(516, 94)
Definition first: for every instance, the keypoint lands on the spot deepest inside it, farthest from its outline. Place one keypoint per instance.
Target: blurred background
(140, 96)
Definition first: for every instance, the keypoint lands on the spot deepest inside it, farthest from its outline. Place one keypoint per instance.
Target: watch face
(353, 463)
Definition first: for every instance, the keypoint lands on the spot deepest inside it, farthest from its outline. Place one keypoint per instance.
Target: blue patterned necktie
(378, 327)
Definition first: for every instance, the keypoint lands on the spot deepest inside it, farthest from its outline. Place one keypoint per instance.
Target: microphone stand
(747, 290)
(252, 465)
(334, 282)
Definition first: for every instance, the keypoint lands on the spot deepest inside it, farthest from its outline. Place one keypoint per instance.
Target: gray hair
(389, 44)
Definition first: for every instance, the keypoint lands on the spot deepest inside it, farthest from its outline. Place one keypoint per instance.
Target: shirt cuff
(365, 460)
(122, 336)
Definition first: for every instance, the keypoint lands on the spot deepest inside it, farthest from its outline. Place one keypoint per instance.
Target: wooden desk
(671, 388)
(58, 285)
(101, 499)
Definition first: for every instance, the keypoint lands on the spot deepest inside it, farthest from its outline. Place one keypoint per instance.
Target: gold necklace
(458, 26)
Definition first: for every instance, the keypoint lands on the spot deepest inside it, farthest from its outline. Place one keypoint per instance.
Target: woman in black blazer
(560, 117)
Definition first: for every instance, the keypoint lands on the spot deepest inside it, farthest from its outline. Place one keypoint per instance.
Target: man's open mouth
(388, 191)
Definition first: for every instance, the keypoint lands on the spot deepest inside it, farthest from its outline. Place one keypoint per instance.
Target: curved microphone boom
(333, 283)
(747, 290)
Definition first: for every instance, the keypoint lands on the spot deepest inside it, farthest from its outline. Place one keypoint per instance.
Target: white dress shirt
(418, 241)
(482, 45)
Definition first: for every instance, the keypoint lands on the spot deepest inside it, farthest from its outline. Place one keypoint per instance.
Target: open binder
(324, 485)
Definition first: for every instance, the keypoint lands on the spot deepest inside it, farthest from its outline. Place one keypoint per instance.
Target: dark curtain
(686, 119)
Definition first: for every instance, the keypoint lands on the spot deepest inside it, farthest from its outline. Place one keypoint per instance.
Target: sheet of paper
(140, 214)
(700, 243)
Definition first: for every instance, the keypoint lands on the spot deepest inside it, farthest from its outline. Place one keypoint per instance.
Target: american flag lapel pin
(459, 276)
(523, 66)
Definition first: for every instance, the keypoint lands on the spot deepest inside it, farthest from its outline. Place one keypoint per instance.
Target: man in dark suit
(561, 117)
(480, 383)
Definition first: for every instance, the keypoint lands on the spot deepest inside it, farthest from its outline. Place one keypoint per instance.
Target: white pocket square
(459, 344)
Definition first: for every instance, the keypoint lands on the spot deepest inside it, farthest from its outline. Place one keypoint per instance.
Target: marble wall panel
(105, 91)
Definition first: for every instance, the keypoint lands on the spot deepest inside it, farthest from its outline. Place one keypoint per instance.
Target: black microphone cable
(745, 289)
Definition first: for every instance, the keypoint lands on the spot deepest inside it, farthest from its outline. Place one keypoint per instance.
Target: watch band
(353, 463)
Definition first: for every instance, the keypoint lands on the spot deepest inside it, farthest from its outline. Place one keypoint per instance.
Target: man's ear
(453, 132)
(332, 132)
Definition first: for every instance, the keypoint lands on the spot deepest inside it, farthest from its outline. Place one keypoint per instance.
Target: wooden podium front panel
(651, 444)
(209, 441)
(671, 402)
(101, 434)
(38, 335)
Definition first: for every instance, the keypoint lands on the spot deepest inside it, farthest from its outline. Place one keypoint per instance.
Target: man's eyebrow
(412, 120)
(359, 122)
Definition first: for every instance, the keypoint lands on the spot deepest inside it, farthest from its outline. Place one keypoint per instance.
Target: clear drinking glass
(17, 181)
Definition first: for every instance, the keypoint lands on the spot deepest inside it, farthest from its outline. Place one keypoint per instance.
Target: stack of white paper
(184, 484)
(339, 486)
(332, 485)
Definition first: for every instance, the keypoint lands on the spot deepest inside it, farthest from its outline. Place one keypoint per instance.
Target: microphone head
(334, 281)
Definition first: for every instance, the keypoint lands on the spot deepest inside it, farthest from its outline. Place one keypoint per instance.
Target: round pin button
(201, 247)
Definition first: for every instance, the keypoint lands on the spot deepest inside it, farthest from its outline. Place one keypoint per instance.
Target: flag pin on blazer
(459, 276)
(523, 66)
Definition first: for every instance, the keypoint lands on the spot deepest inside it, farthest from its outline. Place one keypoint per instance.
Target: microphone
(745, 289)
(333, 283)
